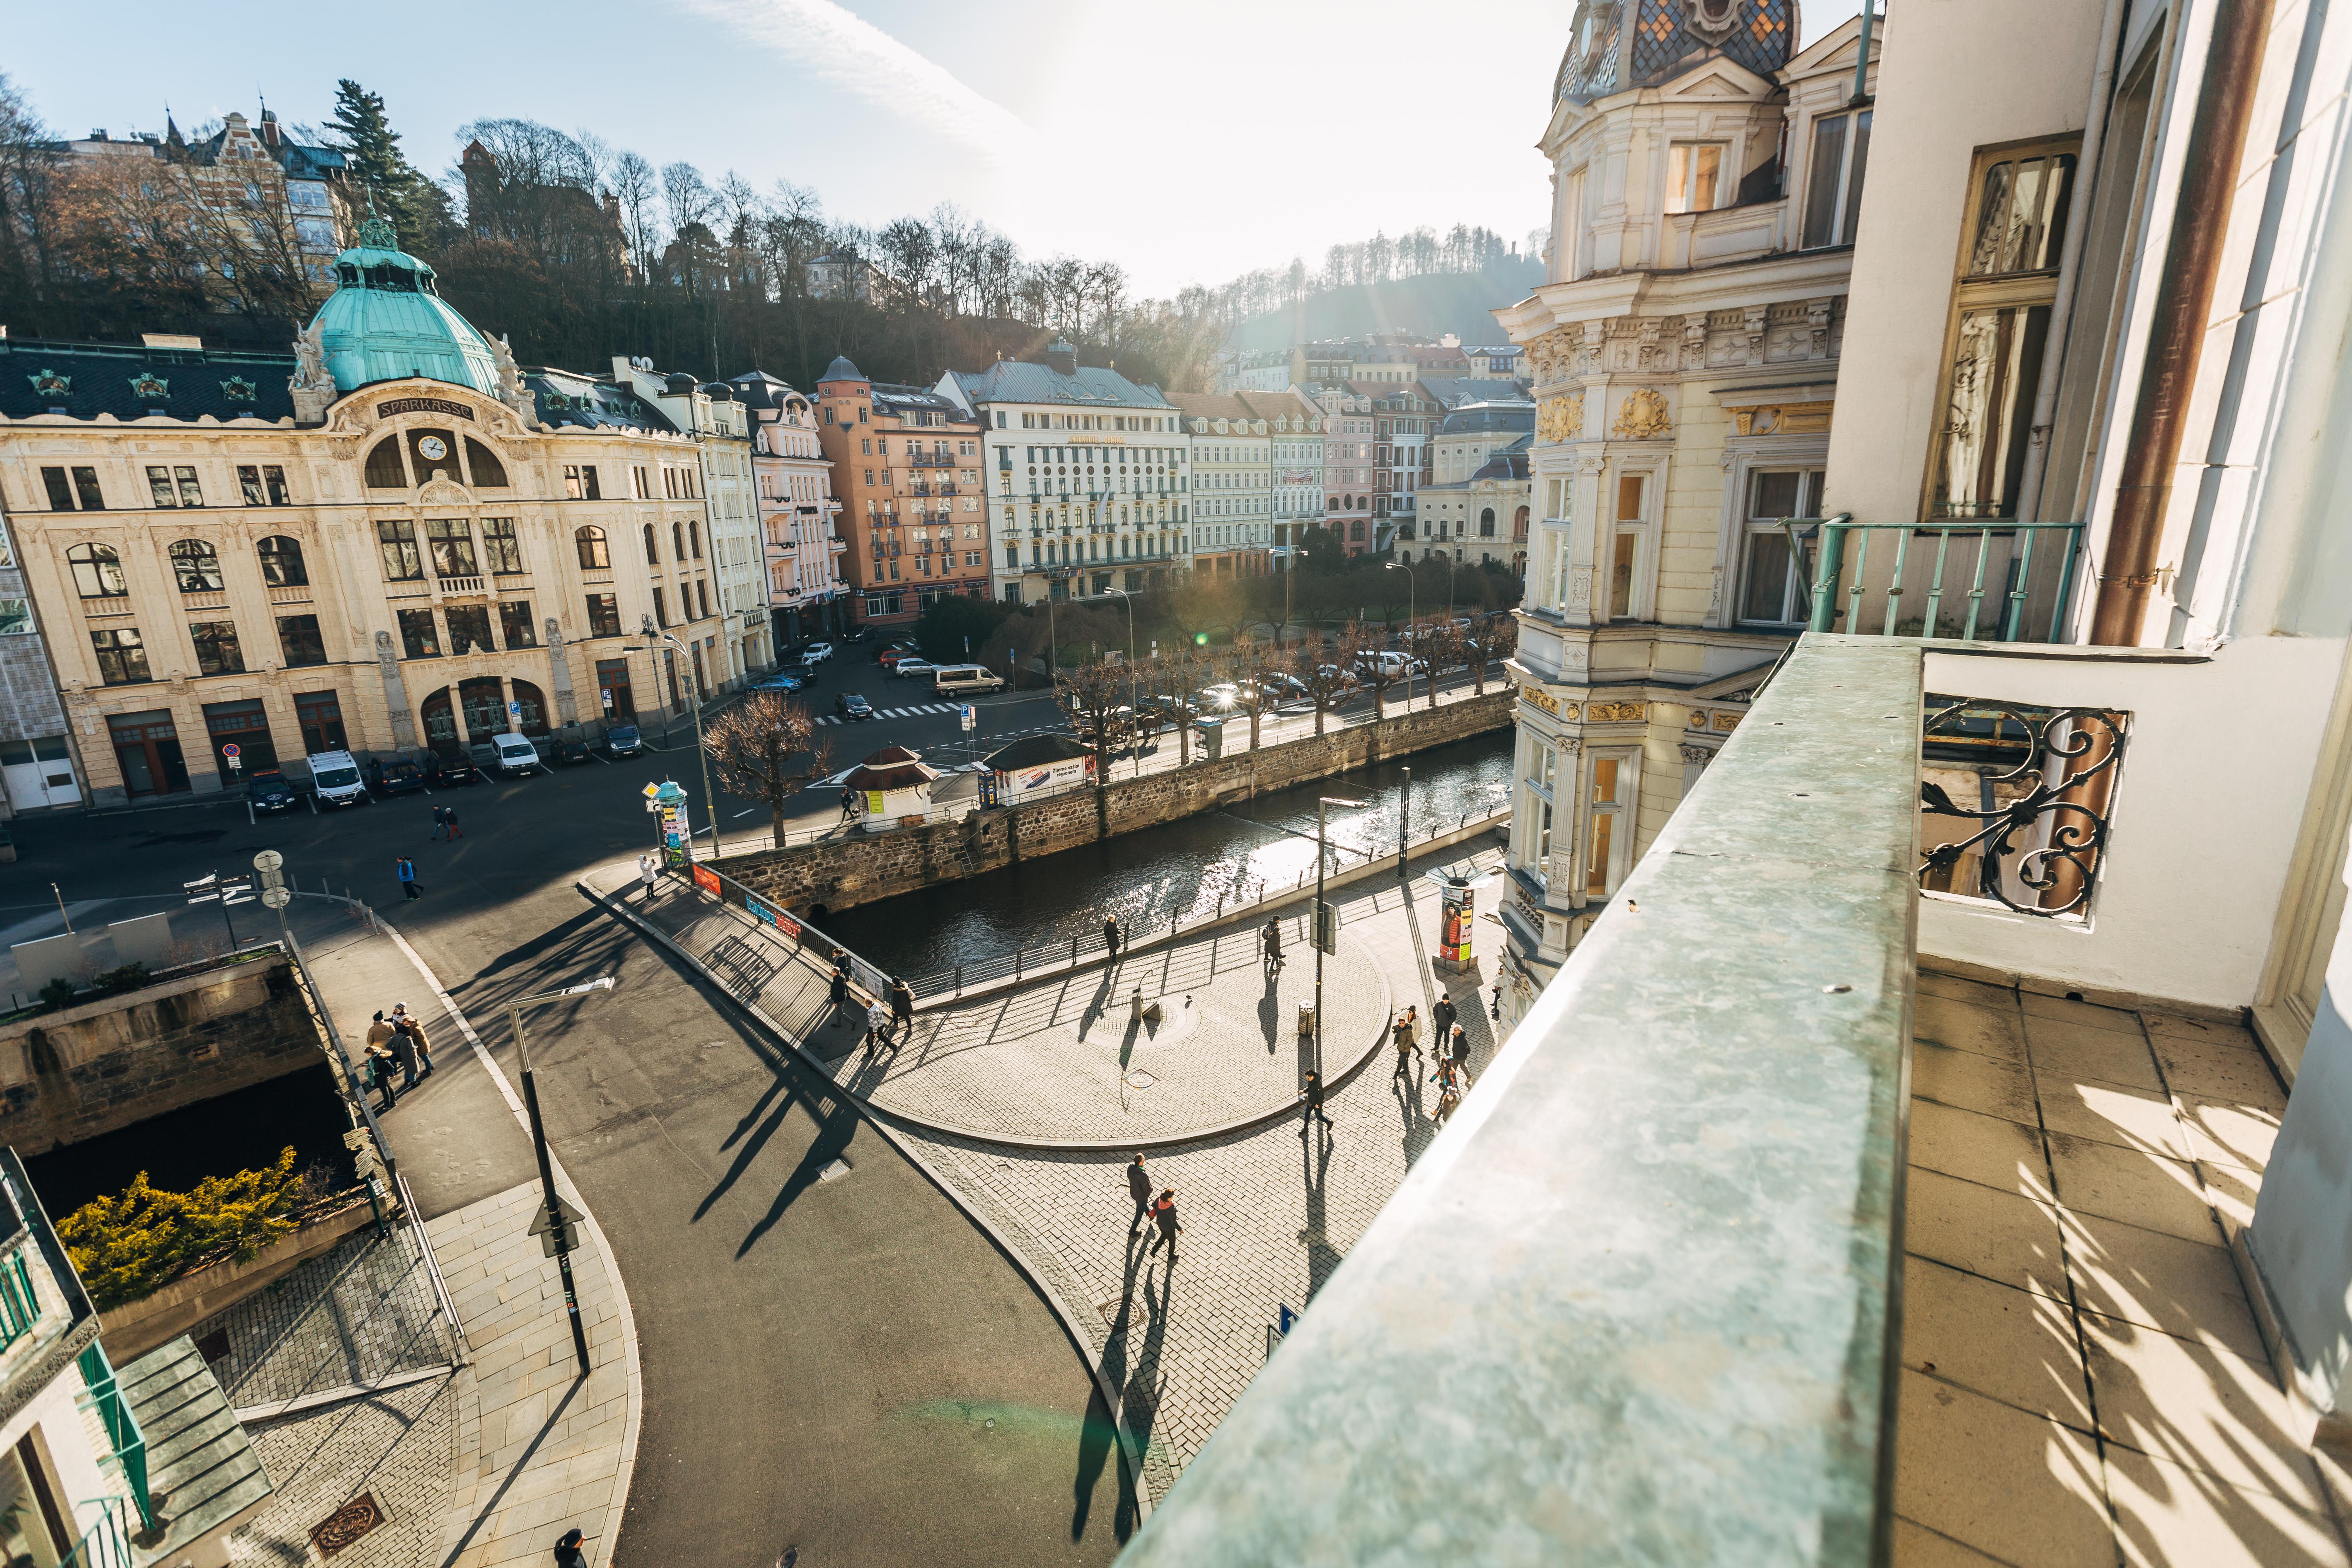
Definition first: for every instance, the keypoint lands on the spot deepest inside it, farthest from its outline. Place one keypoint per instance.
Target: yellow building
(388, 540)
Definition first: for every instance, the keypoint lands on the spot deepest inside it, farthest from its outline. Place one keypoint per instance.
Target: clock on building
(432, 448)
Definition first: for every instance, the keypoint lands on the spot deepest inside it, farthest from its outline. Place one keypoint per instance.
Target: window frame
(1845, 196)
(1692, 148)
(226, 655)
(1625, 803)
(115, 657)
(92, 561)
(289, 629)
(397, 551)
(1794, 592)
(596, 551)
(274, 564)
(196, 576)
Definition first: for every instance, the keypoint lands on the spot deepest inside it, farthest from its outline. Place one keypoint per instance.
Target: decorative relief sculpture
(1560, 418)
(1697, 757)
(512, 390)
(1614, 713)
(313, 388)
(1643, 416)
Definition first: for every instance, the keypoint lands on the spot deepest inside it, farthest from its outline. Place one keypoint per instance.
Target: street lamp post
(1322, 855)
(1404, 819)
(555, 1226)
(1412, 615)
(1134, 708)
(710, 799)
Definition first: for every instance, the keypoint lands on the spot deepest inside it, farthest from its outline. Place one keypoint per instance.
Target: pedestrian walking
(1449, 1090)
(1458, 1052)
(837, 994)
(1400, 1033)
(408, 1024)
(567, 1552)
(848, 803)
(1110, 936)
(404, 1055)
(1312, 1098)
(1444, 1016)
(407, 874)
(649, 869)
(902, 1006)
(379, 1065)
(440, 821)
(1273, 945)
(1138, 1187)
(449, 815)
(877, 1024)
(1163, 1214)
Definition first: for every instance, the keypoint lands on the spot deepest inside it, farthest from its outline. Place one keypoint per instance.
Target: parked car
(450, 772)
(817, 653)
(891, 653)
(786, 681)
(856, 634)
(1224, 696)
(572, 749)
(622, 741)
(953, 679)
(269, 791)
(850, 707)
(398, 776)
(910, 666)
(335, 779)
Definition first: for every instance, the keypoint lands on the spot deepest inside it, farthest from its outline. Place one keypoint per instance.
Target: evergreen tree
(378, 168)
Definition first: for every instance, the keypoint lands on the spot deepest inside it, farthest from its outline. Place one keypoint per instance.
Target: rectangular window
(661, 609)
(85, 489)
(1772, 592)
(500, 546)
(469, 628)
(396, 538)
(580, 481)
(1833, 184)
(15, 617)
(604, 616)
(216, 649)
(298, 639)
(159, 485)
(273, 480)
(451, 540)
(514, 623)
(321, 716)
(1599, 865)
(1625, 555)
(702, 592)
(60, 492)
(121, 659)
(1693, 170)
(191, 493)
(248, 484)
(640, 483)
(417, 634)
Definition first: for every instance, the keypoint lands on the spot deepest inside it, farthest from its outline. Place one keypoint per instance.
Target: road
(846, 1365)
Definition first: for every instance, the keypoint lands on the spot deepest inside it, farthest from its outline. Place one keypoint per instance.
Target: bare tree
(636, 190)
(1377, 675)
(1497, 637)
(1094, 696)
(1328, 676)
(766, 748)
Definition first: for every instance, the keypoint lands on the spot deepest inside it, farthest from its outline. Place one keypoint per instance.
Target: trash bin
(1305, 1019)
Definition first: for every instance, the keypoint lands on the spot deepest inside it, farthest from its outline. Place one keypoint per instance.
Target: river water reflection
(1177, 871)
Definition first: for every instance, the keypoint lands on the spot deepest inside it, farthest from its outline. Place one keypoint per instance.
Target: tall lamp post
(1134, 709)
(556, 1228)
(709, 800)
(1412, 615)
(1323, 910)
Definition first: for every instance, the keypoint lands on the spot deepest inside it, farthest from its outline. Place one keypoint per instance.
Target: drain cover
(837, 1168)
(346, 1524)
(1138, 1079)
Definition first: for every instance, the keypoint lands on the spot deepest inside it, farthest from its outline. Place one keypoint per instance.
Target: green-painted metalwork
(106, 1544)
(121, 1427)
(387, 320)
(2009, 622)
(20, 1305)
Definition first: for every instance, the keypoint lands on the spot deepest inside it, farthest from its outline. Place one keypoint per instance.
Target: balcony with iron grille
(1880, 1171)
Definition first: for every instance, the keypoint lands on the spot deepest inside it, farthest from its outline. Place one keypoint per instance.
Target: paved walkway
(1063, 1063)
(1268, 1215)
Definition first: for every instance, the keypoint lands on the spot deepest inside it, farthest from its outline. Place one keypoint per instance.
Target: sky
(1187, 142)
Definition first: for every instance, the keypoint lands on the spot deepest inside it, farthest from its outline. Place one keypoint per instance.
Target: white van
(335, 779)
(950, 678)
(516, 754)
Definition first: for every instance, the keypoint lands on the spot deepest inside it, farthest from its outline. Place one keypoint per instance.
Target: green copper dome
(387, 320)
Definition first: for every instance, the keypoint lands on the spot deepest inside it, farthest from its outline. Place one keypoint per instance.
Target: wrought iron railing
(2032, 840)
(20, 1305)
(2023, 568)
(122, 1433)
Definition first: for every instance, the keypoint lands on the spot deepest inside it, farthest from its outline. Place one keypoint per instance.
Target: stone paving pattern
(395, 1446)
(363, 1312)
(1054, 1062)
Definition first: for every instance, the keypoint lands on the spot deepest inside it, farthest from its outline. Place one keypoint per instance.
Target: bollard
(958, 977)
(1016, 961)
(1073, 950)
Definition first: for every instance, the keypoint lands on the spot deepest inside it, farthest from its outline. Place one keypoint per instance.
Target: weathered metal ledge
(1640, 1303)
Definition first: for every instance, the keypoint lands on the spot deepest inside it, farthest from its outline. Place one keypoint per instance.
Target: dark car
(622, 741)
(851, 706)
(450, 772)
(269, 792)
(571, 751)
(398, 776)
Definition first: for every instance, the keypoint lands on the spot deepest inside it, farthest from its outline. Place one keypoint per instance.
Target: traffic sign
(268, 860)
(971, 718)
(232, 751)
(650, 790)
(571, 1237)
(276, 897)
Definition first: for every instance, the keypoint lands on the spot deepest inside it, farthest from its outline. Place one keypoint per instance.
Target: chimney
(1062, 358)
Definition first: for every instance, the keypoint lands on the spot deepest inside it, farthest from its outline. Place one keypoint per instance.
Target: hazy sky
(1188, 142)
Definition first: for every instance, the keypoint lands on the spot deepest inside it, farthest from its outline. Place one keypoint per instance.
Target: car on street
(787, 680)
(513, 755)
(335, 779)
(1280, 689)
(269, 791)
(891, 653)
(398, 776)
(850, 706)
(622, 741)
(817, 653)
(910, 666)
(449, 772)
(571, 751)
(1223, 697)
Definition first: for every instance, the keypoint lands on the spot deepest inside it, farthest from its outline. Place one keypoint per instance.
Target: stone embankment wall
(84, 1070)
(860, 869)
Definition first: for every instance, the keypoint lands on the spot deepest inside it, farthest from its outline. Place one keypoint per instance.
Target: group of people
(444, 828)
(1448, 1044)
(1159, 1210)
(396, 1044)
(890, 1018)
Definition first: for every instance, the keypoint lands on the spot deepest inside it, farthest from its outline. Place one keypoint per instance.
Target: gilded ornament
(1643, 416)
(1560, 418)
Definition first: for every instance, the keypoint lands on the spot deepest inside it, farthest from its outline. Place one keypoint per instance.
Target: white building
(1233, 484)
(1087, 474)
(797, 509)
(720, 429)
(1296, 451)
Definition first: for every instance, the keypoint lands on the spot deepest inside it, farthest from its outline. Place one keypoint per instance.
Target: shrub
(124, 977)
(59, 993)
(134, 1243)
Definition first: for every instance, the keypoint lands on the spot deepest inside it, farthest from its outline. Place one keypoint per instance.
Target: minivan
(335, 779)
(516, 754)
(955, 677)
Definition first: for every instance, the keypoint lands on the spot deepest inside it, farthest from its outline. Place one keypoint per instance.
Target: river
(1178, 869)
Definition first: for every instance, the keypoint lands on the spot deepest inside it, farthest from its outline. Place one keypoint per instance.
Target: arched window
(653, 550)
(98, 572)
(694, 537)
(281, 563)
(593, 555)
(489, 473)
(196, 564)
(1486, 522)
(677, 542)
(384, 469)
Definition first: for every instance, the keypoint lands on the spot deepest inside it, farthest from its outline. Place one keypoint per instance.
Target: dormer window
(1693, 175)
(1833, 183)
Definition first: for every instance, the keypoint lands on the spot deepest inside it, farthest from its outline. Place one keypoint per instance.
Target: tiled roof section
(892, 397)
(565, 397)
(1497, 416)
(1452, 391)
(1019, 381)
(129, 381)
(198, 1454)
(1213, 405)
(758, 389)
(1034, 752)
(1506, 462)
(1273, 405)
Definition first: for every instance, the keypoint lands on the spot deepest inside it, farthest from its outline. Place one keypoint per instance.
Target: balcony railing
(1935, 579)
(123, 1434)
(1638, 1302)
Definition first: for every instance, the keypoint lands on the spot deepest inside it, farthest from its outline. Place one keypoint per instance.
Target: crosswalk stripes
(914, 711)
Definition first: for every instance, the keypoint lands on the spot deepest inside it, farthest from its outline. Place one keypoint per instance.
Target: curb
(1130, 1451)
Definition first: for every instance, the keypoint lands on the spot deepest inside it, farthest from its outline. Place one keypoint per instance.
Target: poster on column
(675, 829)
(1459, 911)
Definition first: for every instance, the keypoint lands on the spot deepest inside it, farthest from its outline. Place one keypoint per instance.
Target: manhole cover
(214, 1346)
(346, 1524)
(1138, 1079)
(839, 1168)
